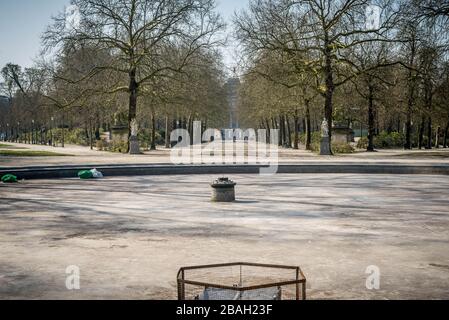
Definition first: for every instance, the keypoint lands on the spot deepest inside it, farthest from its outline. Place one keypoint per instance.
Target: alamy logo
(72, 281)
(72, 17)
(231, 147)
(372, 15)
(373, 280)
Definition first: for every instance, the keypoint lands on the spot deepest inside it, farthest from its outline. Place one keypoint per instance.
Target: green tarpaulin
(9, 178)
(85, 174)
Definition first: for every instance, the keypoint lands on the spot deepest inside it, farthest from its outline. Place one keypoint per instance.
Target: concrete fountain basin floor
(129, 236)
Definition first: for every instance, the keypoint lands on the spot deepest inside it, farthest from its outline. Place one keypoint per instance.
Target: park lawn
(29, 153)
(443, 154)
(8, 146)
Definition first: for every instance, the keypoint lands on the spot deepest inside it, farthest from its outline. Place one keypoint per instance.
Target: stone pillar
(324, 147)
(134, 147)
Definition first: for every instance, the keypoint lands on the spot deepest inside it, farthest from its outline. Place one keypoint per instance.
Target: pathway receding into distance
(78, 155)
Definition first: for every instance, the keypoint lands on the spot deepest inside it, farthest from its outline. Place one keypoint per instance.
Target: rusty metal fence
(241, 281)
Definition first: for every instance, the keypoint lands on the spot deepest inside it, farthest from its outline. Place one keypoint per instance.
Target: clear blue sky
(23, 21)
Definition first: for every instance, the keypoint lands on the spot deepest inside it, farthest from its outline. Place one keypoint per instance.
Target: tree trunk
(274, 126)
(167, 132)
(132, 111)
(308, 127)
(204, 128)
(190, 128)
(268, 129)
(63, 131)
(281, 137)
(411, 98)
(328, 105)
(377, 122)
(371, 121)
(289, 131)
(87, 132)
(296, 138)
(428, 93)
(97, 133)
(97, 127)
(421, 133)
(429, 133)
(283, 140)
(437, 138)
(153, 131)
(91, 135)
(446, 133)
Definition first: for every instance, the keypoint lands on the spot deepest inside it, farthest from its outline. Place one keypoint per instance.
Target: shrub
(76, 136)
(118, 146)
(102, 145)
(145, 138)
(316, 139)
(389, 140)
(342, 148)
(362, 143)
(384, 140)
(72, 136)
(316, 144)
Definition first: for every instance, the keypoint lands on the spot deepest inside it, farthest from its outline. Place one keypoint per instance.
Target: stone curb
(59, 172)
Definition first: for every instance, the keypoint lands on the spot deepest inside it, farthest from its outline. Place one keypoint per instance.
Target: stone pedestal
(134, 147)
(324, 147)
(223, 190)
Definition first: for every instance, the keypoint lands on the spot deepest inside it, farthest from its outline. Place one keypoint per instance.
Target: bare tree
(432, 9)
(321, 31)
(148, 39)
(25, 89)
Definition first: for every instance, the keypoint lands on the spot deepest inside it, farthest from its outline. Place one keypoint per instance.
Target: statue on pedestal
(325, 149)
(134, 147)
